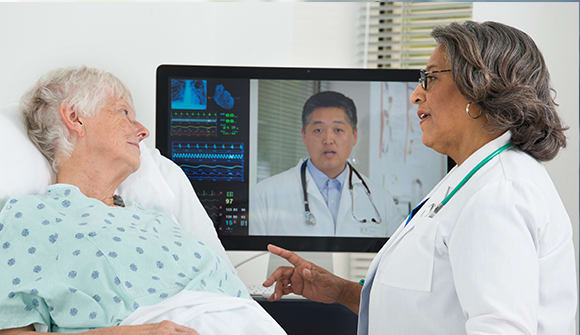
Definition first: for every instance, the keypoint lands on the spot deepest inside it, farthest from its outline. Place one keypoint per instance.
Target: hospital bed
(158, 184)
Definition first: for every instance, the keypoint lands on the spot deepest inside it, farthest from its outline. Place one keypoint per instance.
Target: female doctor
(489, 250)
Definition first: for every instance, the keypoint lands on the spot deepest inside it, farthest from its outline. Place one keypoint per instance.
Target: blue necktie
(414, 211)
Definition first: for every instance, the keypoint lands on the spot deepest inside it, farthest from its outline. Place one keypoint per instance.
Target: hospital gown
(72, 263)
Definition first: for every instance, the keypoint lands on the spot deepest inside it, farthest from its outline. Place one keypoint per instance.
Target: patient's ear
(71, 119)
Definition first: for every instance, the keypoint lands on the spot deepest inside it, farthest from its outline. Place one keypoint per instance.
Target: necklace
(118, 201)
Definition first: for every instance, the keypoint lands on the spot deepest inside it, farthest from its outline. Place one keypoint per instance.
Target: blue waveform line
(207, 145)
(212, 172)
(195, 120)
(213, 166)
(199, 178)
(205, 172)
(207, 156)
(216, 175)
(216, 172)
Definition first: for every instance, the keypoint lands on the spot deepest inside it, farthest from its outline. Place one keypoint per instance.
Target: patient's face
(114, 134)
(329, 139)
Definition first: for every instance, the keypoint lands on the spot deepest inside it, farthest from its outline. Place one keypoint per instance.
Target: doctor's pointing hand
(489, 250)
(311, 281)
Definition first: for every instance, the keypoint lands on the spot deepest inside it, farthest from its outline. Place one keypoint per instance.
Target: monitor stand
(323, 259)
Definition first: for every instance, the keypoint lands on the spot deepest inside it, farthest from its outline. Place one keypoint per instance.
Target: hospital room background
(132, 39)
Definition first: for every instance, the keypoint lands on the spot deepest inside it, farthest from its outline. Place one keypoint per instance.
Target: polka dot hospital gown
(73, 264)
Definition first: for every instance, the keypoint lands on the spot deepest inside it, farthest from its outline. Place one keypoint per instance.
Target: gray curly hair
(501, 69)
(84, 89)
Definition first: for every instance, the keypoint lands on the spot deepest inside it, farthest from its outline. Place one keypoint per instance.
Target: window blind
(397, 34)
(280, 144)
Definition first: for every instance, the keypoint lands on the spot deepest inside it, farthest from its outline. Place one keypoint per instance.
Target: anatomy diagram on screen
(398, 161)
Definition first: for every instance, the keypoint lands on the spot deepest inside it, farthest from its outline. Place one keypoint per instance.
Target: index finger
(286, 254)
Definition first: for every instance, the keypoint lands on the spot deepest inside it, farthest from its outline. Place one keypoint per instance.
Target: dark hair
(329, 99)
(501, 69)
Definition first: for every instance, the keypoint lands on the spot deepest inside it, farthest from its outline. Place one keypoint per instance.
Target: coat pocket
(409, 263)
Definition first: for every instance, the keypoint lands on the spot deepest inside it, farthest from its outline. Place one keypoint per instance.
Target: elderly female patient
(76, 258)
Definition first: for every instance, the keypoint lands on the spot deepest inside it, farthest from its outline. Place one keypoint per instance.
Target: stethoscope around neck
(435, 210)
(311, 220)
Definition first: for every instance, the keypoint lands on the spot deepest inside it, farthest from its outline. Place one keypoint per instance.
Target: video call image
(389, 155)
(253, 193)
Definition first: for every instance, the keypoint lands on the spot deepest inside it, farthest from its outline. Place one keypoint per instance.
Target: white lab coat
(277, 208)
(497, 259)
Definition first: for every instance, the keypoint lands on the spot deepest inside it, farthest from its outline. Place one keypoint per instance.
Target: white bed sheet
(209, 314)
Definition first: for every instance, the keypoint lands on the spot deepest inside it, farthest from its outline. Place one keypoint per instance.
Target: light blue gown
(72, 263)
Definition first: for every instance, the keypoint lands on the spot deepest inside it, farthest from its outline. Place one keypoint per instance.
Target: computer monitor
(229, 128)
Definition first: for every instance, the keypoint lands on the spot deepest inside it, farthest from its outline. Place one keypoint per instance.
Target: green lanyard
(469, 175)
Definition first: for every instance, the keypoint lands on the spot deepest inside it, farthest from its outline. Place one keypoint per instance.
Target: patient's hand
(161, 328)
(305, 278)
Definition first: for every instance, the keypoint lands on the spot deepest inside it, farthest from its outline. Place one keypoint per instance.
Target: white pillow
(157, 184)
(23, 169)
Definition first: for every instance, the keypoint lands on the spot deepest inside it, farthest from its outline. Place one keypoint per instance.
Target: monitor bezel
(252, 242)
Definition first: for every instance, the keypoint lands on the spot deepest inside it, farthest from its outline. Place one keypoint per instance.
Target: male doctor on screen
(332, 207)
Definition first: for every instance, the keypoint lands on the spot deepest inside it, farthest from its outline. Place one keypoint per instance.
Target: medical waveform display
(208, 124)
(214, 172)
(194, 123)
(212, 203)
(227, 209)
(205, 161)
(188, 94)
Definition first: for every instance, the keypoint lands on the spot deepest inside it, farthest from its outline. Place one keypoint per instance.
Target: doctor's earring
(467, 112)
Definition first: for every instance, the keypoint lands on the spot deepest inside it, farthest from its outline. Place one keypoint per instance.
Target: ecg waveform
(212, 201)
(215, 172)
(194, 130)
(204, 156)
(193, 123)
(208, 126)
(210, 161)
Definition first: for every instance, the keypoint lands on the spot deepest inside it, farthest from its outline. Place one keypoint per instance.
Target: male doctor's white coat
(497, 259)
(277, 208)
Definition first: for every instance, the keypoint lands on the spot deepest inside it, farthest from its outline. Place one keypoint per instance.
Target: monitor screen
(239, 135)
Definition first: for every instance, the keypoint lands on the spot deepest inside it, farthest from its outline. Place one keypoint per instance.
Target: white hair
(84, 89)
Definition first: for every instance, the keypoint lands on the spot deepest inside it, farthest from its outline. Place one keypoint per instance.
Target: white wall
(132, 39)
(554, 28)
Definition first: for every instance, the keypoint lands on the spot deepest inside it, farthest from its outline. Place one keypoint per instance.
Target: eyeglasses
(424, 75)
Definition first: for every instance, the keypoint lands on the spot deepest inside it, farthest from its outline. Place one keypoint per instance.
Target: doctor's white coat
(277, 208)
(497, 259)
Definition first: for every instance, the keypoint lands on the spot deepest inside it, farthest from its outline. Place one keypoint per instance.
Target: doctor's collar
(320, 178)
